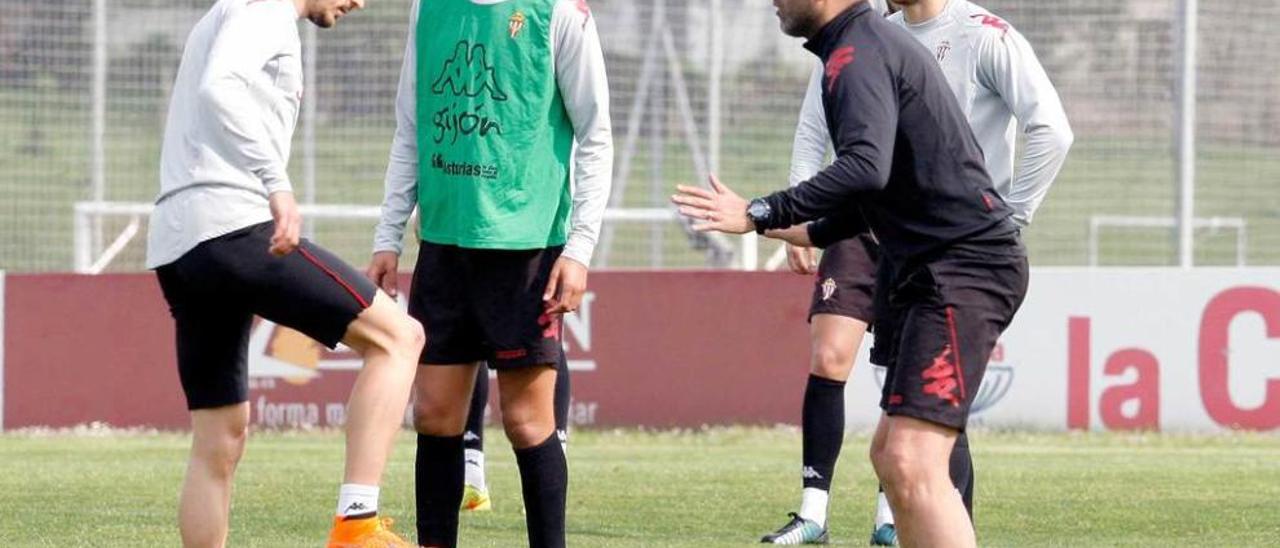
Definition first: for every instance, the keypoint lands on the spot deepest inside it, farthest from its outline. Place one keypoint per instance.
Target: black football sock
(822, 423)
(474, 436)
(962, 471)
(562, 399)
(544, 479)
(438, 473)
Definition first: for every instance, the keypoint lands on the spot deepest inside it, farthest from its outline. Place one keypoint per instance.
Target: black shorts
(215, 289)
(485, 305)
(939, 325)
(847, 279)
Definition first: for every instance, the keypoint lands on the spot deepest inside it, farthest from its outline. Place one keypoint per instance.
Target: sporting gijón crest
(516, 24)
(840, 58)
(943, 49)
(828, 289)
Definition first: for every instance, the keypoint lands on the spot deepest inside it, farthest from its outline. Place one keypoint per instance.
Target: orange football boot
(371, 532)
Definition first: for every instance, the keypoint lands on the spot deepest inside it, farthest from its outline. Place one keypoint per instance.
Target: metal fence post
(98, 166)
(1186, 133)
(309, 127)
(2, 311)
(657, 163)
(715, 102)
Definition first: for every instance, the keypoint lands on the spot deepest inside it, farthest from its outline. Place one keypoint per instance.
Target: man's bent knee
(410, 337)
(831, 361)
(913, 454)
(384, 328)
(897, 464)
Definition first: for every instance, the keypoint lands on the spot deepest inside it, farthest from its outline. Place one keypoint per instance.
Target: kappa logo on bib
(469, 74)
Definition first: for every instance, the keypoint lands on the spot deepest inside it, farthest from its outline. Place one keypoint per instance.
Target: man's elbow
(596, 137)
(879, 178)
(208, 92)
(602, 142)
(213, 91)
(595, 151)
(859, 173)
(406, 128)
(403, 158)
(1065, 139)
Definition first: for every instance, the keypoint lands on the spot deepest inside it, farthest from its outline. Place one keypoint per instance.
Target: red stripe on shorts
(955, 348)
(307, 254)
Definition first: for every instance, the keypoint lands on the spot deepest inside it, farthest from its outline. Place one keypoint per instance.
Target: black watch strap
(760, 212)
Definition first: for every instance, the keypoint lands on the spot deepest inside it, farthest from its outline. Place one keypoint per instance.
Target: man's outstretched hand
(718, 209)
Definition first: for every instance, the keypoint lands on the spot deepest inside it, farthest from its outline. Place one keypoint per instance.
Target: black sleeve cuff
(820, 233)
(829, 230)
(779, 214)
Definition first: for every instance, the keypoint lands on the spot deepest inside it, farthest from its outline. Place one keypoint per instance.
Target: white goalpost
(1099, 222)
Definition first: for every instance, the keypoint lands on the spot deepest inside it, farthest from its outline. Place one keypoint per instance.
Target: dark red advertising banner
(648, 348)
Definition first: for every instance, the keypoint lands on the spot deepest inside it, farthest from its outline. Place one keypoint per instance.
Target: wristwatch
(759, 212)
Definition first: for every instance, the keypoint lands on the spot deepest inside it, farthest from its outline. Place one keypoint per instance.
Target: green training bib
(494, 137)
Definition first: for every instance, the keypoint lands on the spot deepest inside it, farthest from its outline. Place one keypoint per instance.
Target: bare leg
(834, 344)
(441, 399)
(879, 437)
(218, 439)
(913, 463)
(390, 343)
(526, 397)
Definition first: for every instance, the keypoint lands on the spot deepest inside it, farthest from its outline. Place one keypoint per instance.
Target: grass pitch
(718, 487)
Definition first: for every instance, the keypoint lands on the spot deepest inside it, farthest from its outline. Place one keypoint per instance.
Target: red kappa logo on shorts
(840, 59)
(511, 354)
(940, 378)
(550, 326)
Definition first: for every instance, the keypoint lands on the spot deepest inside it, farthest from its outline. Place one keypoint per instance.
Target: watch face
(758, 209)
